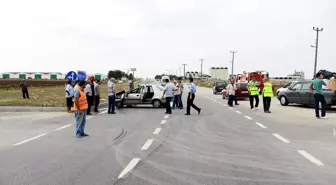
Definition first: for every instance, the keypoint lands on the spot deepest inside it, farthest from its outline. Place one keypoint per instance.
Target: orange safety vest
(81, 101)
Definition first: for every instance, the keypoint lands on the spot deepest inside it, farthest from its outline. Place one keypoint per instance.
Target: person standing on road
(268, 92)
(111, 96)
(131, 85)
(168, 91)
(181, 92)
(231, 91)
(191, 97)
(316, 88)
(76, 85)
(80, 107)
(69, 95)
(97, 95)
(177, 95)
(254, 94)
(88, 92)
(24, 88)
(235, 96)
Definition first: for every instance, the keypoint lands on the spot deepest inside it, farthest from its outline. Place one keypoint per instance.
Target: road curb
(36, 109)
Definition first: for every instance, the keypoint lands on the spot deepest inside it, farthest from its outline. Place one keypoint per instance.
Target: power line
(316, 46)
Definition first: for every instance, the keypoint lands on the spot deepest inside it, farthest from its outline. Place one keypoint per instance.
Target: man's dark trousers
(180, 101)
(256, 97)
(267, 103)
(90, 102)
(235, 99)
(97, 101)
(168, 108)
(319, 98)
(231, 99)
(176, 101)
(190, 103)
(111, 104)
(25, 93)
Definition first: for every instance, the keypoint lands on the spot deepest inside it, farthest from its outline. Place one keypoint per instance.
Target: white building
(219, 73)
(33, 75)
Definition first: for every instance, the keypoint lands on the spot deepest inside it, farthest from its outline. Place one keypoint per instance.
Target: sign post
(72, 76)
(133, 70)
(81, 75)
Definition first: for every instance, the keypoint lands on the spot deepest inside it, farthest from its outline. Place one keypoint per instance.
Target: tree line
(158, 77)
(118, 74)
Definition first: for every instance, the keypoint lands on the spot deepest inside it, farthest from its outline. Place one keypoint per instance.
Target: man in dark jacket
(24, 87)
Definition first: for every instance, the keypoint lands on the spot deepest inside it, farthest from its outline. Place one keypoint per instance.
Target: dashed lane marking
(30, 139)
(310, 158)
(225, 105)
(281, 138)
(129, 167)
(163, 122)
(248, 117)
(89, 117)
(147, 144)
(230, 108)
(103, 112)
(237, 111)
(63, 127)
(261, 125)
(157, 130)
(166, 116)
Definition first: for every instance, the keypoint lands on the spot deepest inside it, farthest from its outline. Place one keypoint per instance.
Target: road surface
(143, 146)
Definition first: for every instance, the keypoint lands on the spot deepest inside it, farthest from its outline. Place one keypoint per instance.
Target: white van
(163, 78)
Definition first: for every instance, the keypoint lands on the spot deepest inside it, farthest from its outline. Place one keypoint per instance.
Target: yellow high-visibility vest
(267, 90)
(252, 86)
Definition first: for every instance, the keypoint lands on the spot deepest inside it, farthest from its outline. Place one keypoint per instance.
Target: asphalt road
(143, 146)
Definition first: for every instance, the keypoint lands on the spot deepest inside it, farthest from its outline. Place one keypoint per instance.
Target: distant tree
(110, 74)
(130, 76)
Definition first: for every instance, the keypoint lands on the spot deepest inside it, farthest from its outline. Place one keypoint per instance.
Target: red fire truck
(246, 77)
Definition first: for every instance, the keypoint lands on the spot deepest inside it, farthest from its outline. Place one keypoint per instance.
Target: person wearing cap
(80, 107)
(168, 94)
(191, 97)
(254, 93)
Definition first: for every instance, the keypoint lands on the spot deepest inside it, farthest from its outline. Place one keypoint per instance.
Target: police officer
(267, 95)
(254, 93)
(80, 107)
(191, 97)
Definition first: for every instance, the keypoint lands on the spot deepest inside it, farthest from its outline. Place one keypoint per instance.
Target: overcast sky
(158, 35)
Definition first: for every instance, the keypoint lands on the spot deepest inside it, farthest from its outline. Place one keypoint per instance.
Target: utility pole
(232, 62)
(316, 46)
(201, 67)
(184, 71)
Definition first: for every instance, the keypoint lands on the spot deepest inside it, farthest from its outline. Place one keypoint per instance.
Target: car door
(305, 95)
(293, 93)
(134, 96)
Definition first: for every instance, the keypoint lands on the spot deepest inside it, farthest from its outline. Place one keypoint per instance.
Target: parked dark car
(241, 91)
(300, 93)
(218, 86)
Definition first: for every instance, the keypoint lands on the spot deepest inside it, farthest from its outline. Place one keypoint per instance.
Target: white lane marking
(281, 138)
(248, 117)
(30, 139)
(89, 117)
(225, 105)
(163, 122)
(310, 158)
(230, 108)
(103, 112)
(166, 116)
(237, 111)
(103, 108)
(129, 167)
(157, 130)
(63, 127)
(334, 132)
(147, 144)
(261, 125)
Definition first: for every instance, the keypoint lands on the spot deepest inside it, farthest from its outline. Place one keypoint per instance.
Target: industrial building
(196, 75)
(219, 73)
(43, 75)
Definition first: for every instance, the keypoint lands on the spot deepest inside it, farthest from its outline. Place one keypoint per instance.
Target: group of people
(85, 93)
(173, 93)
(253, 89)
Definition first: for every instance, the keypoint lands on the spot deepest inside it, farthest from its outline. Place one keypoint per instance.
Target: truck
(246, 77)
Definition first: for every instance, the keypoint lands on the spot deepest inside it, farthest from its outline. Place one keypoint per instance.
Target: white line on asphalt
(30, 139)
(163, 122)
(230, 108)
(334, 132)
(157, 130)
(129, 167)
(261, 125)
(281, 138)
(310, 158)
(63, 127)
(104, 109)
(248, 117)
(225, 105)
(89, 117)
(166, 116)
(237, 111)
(103, 112)
(147, 144)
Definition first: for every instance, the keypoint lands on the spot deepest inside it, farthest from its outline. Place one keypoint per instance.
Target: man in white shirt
(97, 95)
(169, 88)
(89, 97)
(177, 94)
(231, 91)
(69, 93)
(111, 96)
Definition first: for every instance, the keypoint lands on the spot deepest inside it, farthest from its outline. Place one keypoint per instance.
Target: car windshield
(241, 85)
(287, 85)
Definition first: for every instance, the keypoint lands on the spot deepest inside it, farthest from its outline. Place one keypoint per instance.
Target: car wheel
(283, 101)
(156, 103)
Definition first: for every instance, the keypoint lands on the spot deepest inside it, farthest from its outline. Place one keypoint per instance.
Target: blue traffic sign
(81, 75)
(71, 75)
